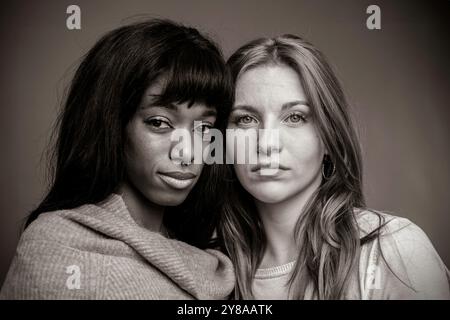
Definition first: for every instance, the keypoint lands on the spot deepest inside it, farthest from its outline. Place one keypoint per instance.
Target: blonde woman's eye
(246, 120)
(295, 118)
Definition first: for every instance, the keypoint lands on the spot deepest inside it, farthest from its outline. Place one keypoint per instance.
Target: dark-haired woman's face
(165, 176)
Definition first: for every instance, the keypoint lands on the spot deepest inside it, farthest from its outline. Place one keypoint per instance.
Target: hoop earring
(326, 160)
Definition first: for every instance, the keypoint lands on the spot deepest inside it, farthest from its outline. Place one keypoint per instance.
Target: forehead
(272, 84)
(153, 95)
(156, 87)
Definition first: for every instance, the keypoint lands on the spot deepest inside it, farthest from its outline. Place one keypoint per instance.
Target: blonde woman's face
(272, 97)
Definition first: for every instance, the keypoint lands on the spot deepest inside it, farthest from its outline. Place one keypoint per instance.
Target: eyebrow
(210, 112)
(245, 108)
(291, 104)
(150, 105)
(284, 106)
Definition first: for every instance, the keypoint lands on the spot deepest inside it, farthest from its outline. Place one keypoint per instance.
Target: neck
(144, 212)
(279, 221)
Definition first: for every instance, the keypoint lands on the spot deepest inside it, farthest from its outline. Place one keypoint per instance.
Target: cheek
(242, 146)
(242, 171)
(230, 151)
(306, 150)
(144, 151)
(243, 175)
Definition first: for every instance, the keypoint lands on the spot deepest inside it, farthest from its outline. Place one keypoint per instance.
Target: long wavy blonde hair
(326, 232)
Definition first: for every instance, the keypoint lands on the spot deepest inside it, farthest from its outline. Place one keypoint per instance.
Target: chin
(169, 199)
(267, 193)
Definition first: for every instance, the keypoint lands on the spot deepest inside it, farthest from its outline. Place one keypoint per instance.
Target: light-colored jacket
(399, 264)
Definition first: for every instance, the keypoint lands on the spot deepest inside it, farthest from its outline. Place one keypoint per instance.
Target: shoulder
(370, 221)
(397, 232)
(52, 226)
(405, 253)
(69, 228)
(49, 260)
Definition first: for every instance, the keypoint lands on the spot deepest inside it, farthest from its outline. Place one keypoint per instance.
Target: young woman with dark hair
(124, 218)
(295, 224)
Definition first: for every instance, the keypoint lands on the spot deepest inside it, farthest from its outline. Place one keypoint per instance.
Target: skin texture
(272, 97)
(152, 155)
(266, 89)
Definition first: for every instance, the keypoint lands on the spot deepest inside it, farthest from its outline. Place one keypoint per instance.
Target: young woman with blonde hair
(303, 231)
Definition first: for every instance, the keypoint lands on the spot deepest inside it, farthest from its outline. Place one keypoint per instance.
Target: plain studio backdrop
(396, 79)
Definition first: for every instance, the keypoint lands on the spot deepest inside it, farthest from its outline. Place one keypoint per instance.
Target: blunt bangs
(194, 75)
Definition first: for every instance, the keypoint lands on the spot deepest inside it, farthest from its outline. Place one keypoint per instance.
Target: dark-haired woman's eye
(203, 128)
(158, 123)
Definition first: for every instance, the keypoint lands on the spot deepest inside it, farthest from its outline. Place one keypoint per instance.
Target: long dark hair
(326, 232)
(88, 156)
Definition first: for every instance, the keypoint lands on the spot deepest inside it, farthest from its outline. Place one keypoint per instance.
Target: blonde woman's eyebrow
(291, 104)
(247, 108)
(284, 106)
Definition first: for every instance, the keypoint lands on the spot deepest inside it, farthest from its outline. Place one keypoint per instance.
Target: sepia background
(397, 81)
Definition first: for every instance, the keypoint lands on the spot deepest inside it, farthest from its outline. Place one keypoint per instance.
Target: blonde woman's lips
(260, 167)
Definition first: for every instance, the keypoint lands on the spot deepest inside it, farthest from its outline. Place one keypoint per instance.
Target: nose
(182, 147)
(269, 141)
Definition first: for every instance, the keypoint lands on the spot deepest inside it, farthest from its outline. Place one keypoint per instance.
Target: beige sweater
(99, 252)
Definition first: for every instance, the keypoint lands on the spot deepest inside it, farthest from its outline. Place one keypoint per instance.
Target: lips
(179, 175)
(259, 167)
(266, 171)
(177, 179)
